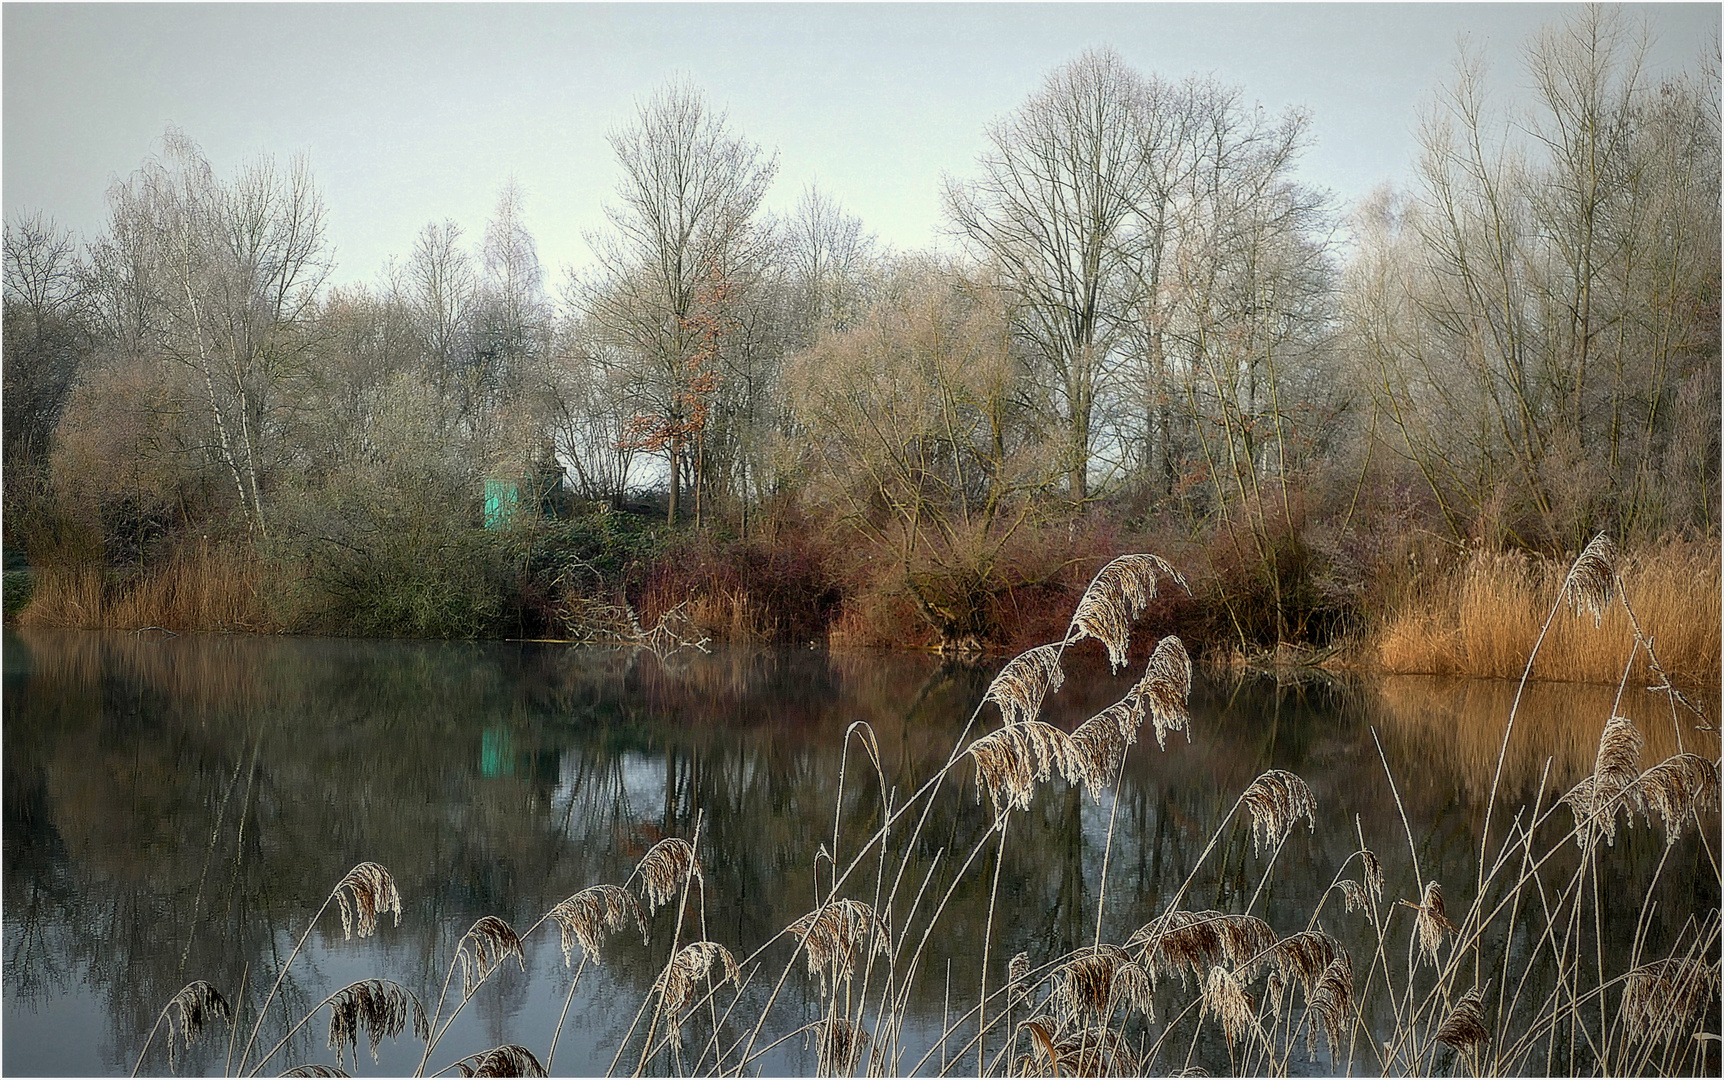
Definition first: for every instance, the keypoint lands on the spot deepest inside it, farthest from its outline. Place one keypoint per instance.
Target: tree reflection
(175, 810)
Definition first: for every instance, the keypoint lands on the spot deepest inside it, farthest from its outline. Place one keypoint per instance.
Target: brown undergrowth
(1482, 618)
(197, 588)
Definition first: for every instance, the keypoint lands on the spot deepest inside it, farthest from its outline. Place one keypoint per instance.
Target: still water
(176, 809)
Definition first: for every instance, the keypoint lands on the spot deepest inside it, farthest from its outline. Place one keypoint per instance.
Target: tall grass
(1513, 979)
(1482, 618)
(197, 588)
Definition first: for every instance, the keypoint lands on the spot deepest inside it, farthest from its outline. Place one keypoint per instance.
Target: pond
(177, 808)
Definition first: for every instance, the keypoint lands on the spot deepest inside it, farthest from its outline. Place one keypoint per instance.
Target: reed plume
(836, 935)
(508, 1060)
(1591, 581)
(1018, 970)
(1330, 1002)
(1354, 895)
(1096, 979)
(593, 912)
(1164, 692)
(1091, 1051)
(378, 1007)
(1597, 798)
(1102, 742)
(1277, 800)
(840, 1045)
(1678, 789)
(486, 945)
(1224, 997)
(1305, 956)
(1663, 998)
(187, 1014)
(1192, 941)
(1012, 760)
(693, 963)
(1432, 922)
(1116, 598)
(366, 890)
(316, 1070)
(1026, 679)
(1373, 873)
(1464, 1028)
(665, 869)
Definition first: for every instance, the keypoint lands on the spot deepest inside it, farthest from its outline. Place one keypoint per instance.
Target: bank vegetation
(1348, 425)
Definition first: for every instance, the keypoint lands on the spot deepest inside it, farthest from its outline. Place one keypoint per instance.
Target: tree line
(1154, 326)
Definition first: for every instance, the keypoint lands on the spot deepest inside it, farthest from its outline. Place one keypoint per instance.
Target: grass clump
(1481, 618)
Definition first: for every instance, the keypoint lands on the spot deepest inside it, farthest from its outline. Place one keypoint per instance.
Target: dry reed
(1597, 798)
(316, 1070)
(840, 1046)
(837, 935)
(195, 589)
(1097, 979)
(363, 893)
(1026, 679)
(379, 1008)
(187, 1014)
(1090, 1051)
(1305, 956)
(1678, 790)
(1224, 998)
(1164, 692)
(483, 948)
(1277, 800)
(508, 1060)
(1431, 924)
(1481, 618)
(691, 965)
(1013, 759)
(593, 912)
(1663, 997)
(1330, 1002)
(1464, 1028)
(1190, 942)
(665, 869)
(1116, 597)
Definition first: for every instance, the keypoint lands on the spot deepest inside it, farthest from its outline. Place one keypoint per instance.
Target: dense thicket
(1156, 334)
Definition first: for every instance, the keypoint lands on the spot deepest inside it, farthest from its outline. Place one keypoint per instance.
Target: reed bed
(1482, 618)
(197, 588)
(1514, 979)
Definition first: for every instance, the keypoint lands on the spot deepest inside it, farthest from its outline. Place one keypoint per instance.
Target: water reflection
(176, 809)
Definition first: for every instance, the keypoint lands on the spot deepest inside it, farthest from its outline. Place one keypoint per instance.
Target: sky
(412, 113)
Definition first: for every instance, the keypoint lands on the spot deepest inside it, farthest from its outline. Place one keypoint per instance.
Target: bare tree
(47, 332)
(222, 280)
(827, 253)
(1553, 291)
(1055, 211)
(680, 236)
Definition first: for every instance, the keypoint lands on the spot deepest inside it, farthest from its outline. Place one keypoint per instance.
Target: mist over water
(176, 809)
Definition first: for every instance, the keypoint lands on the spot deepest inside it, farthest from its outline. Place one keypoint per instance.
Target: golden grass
(1482, 620)
(196, 589)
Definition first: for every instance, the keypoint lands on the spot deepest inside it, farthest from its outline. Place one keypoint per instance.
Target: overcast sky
(412, 113)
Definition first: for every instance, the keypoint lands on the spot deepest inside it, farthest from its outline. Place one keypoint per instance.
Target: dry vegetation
(1436, 990)
(197, 588)
(1483, 617)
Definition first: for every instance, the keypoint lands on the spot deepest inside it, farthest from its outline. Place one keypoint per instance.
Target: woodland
(1148, 334)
